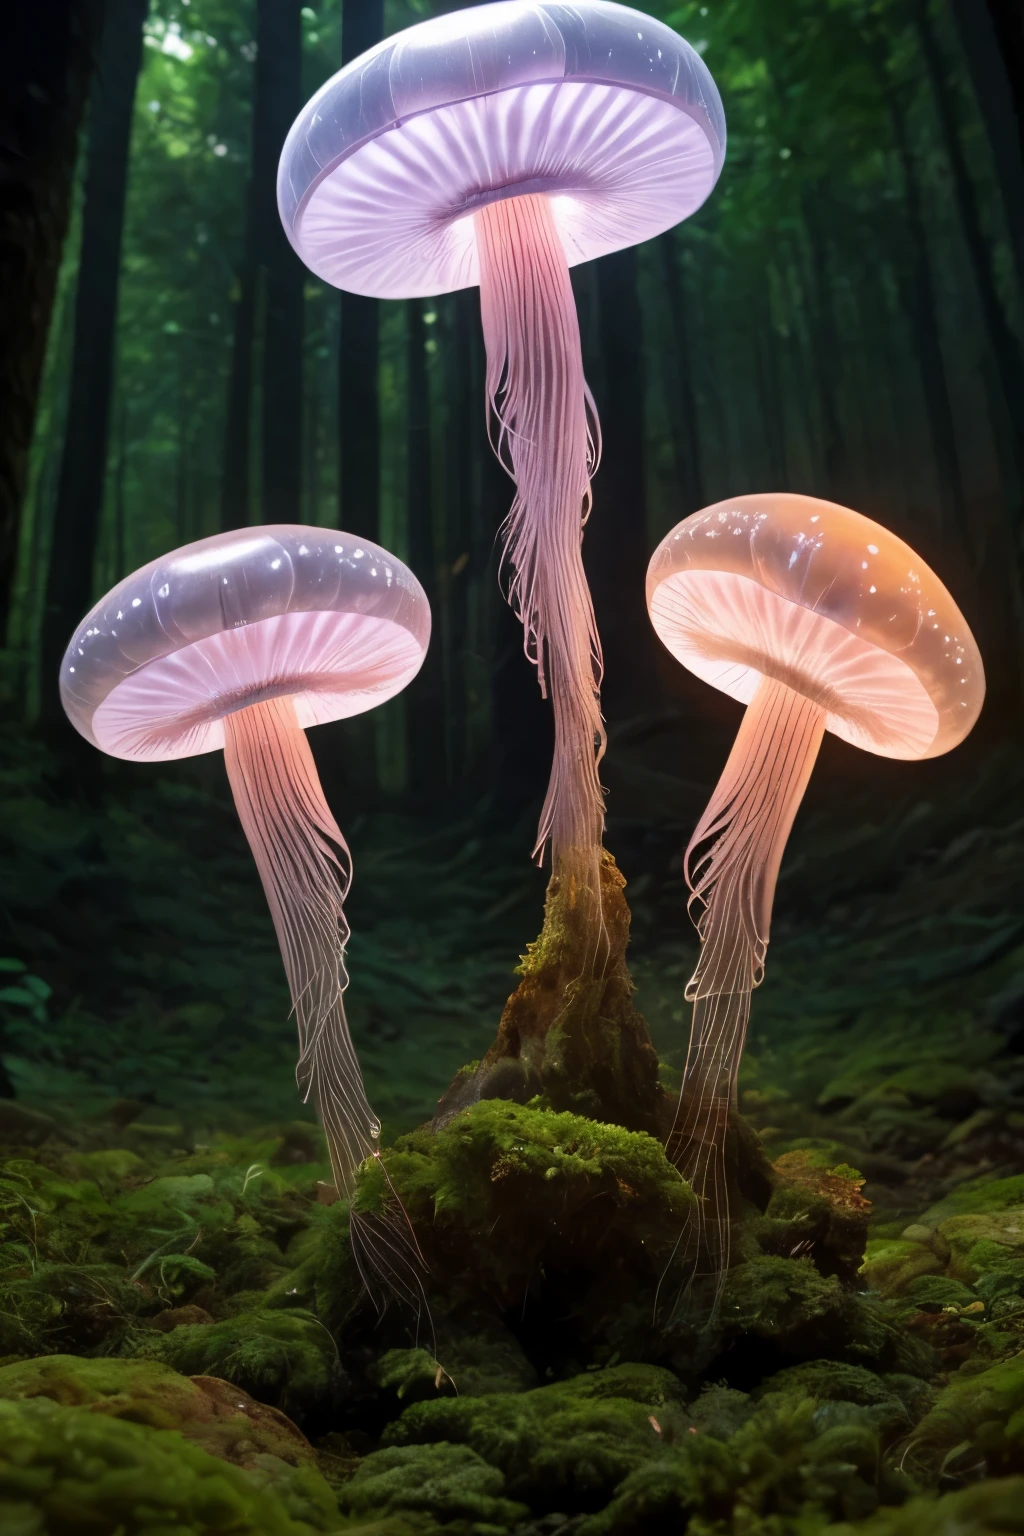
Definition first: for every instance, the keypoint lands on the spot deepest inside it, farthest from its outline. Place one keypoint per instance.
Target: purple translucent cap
(603, 107)
(327, 618)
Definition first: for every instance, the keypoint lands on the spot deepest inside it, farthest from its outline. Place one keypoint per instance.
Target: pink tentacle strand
(545, 433)
(731, 866)
(305, 869)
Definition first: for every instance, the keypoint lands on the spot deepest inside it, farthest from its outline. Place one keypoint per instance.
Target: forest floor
(160, 1185)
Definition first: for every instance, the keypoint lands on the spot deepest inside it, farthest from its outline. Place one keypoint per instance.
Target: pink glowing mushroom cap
(330, 620)
(829, 603)
(601, 106)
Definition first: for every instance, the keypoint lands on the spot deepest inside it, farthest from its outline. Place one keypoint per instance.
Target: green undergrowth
(185, 1345)
(185, 1341)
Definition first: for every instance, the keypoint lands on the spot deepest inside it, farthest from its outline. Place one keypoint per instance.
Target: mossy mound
(975, 1426)
(447, 1482)
(215, 1415)
(990, 1509)
(791, 1310)
(532, 1210)
(65, 1471)
(564, 1447)
(287, 1358)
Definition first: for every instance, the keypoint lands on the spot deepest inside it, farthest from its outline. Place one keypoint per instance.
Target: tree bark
(278, 102)
(686, 439)
(616, 547)
(1004, 345)
(770, 393)
(84, 459)
(268, 318)
(458, 543)
(992, 36)
(45, 68)
(913, 269)
(362, 25)
(235, 492)
(425, 700)
(827, 352)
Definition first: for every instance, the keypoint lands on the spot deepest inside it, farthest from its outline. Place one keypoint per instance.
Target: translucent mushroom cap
(599, 105)
(829, 603)
(329, 619)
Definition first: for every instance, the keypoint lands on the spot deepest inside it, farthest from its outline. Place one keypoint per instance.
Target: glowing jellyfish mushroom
(240, 642)
(816, 619)
(501, 145)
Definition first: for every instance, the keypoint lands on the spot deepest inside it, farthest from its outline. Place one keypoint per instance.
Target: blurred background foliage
(842, 318)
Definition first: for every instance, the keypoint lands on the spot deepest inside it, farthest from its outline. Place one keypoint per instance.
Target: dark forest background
(844, 317)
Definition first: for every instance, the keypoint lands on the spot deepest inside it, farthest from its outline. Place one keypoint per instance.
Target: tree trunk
(686, 437)
(913, 269)
(458, 543)
(770, 393)
(268, 319)
(1004, 345)
(617, 548)
(278, 102)
(235, 491)
(991, 35)
(45, 68)
(827, 352)
(84, 460)
(425, 700)
(362, 25)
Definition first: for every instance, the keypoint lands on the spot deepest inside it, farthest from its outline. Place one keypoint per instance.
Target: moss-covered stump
(559, 1225)
(569, 1033)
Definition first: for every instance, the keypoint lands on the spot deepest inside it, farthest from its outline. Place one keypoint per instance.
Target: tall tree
(268, 319)
(1003, 343)
(462, 310)
(362, 25)
(827, 354)
(84, 460)
(992, 36)
(45, 65)
(616, 548)
(425, 701)
(686, 446)
(913, 267)
(278, 101)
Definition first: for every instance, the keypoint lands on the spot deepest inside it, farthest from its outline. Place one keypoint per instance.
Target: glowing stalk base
(746, 825)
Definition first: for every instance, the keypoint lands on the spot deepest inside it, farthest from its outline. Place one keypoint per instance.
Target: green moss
(566, 1446)
(976, 1425)
(213, 1414)
(933, 1292)
(657, 1498)
(989, 1509)
(788, 1304)
(448, 1482)
(980, 1242)
(285, 1358)
(980, 1195)
(65, 1471)
(891, 1265)
(506, 1198)
(831, 1381)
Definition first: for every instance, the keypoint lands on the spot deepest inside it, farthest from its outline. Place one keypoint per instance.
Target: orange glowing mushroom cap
(828, 602)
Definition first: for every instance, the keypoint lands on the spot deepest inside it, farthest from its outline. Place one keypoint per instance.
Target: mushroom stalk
(742, 835)
(304, 865)
(545, 433)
